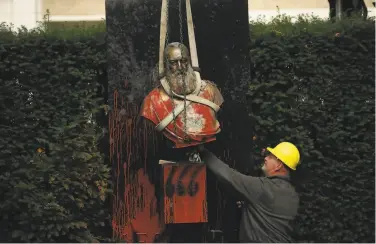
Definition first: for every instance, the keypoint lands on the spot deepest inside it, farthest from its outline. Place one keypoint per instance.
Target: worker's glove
(240, 204)
(194, 157)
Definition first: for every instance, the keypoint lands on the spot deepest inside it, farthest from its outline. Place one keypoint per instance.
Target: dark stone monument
(222, 37)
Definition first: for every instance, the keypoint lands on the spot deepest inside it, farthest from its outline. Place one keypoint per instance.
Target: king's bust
(183, 107)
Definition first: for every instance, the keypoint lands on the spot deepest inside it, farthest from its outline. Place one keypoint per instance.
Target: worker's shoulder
(271, 185)
(283, 187)
(277, 193)
(279, 181)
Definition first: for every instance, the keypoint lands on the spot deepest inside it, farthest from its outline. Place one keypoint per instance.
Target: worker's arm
(248, 186)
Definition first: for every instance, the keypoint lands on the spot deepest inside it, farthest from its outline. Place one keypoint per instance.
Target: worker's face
(271, 164)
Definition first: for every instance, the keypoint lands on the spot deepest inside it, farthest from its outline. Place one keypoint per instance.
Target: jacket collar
(282, 177)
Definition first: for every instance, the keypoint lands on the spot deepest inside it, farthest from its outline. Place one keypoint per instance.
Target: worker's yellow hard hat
(288, 153)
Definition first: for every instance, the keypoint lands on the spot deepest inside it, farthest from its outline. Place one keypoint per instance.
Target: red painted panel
(184, 186)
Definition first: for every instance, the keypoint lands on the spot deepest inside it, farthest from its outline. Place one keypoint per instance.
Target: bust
(183, 107)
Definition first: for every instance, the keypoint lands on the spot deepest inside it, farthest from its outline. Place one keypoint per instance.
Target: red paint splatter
(185, 208)
(137, 213)
(157, 105)
(134, 209)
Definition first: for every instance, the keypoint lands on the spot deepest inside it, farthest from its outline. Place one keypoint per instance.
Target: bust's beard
(176, 81)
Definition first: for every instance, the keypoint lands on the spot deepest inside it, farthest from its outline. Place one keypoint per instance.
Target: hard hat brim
(271, 150)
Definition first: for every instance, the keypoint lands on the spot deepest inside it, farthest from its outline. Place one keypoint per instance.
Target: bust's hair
(175, 44)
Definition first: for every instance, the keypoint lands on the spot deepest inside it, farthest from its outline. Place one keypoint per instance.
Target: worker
(271, 202)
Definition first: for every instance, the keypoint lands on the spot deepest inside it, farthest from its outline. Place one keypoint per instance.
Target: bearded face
(179, 72)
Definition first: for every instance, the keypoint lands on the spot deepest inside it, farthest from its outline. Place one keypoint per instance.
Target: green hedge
(312, 84)
(48, 99)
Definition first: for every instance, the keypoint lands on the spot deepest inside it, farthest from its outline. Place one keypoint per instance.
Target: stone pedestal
(184, 192)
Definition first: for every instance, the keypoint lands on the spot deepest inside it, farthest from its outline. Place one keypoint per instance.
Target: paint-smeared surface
(135, 202)
(184, 186)
(222, 30)
(201, 122)
(137, 205)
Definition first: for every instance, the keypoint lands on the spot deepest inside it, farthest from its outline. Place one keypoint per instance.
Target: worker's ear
(279, 166)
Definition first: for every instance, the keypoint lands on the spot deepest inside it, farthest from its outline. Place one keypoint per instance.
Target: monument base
(184, 192)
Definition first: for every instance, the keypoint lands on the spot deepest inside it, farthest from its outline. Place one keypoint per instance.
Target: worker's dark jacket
(271, 203)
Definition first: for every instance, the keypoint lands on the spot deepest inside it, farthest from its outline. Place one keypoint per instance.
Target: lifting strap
(170, 117)
(180, 108)
(194, 60)
(201, 100)
(192, 40)
(162, 35)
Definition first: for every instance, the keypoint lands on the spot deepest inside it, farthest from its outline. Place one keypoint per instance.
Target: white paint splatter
(195, 121)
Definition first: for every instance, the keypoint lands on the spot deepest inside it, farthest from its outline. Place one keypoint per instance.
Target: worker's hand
(240, 204)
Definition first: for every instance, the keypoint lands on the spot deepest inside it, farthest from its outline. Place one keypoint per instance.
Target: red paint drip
(136, 213)
(135, 210)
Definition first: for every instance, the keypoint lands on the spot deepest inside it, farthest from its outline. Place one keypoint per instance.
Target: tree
(348, 8)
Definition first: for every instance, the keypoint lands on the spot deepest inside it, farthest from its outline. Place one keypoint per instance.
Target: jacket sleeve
(248, 186)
